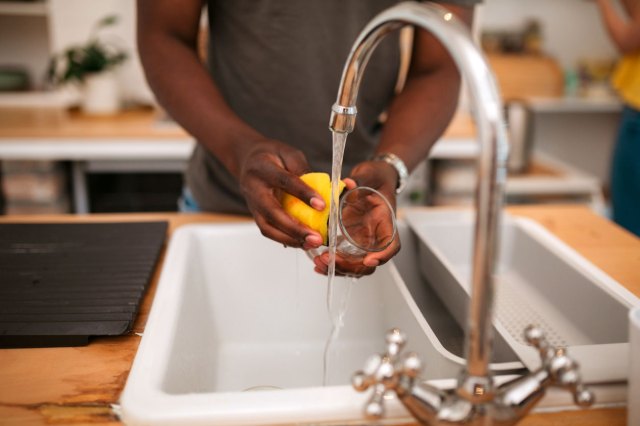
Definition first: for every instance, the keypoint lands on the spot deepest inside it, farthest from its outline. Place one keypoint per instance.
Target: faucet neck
(475, 400)
(491, 166)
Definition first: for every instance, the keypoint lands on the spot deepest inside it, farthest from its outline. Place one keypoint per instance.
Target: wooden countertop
(56, 123)
(140, 134)
(146, 123)
(78, 385)
(58, 134)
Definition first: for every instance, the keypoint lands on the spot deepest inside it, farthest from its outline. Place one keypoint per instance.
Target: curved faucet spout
(493, 155)
(475, 400)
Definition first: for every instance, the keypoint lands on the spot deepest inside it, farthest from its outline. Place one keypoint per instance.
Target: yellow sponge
(314, 219)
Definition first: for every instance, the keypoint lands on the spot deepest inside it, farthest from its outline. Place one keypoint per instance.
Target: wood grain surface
(56, 123)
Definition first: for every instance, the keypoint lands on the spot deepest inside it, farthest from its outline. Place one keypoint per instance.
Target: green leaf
(108, 21)
(76, 62)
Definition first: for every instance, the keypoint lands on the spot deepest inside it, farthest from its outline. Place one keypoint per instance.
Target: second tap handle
(563, 370)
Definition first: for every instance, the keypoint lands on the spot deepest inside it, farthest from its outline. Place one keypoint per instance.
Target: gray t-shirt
(278, 65)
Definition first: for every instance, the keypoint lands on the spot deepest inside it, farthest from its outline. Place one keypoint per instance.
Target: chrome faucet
(476, 399)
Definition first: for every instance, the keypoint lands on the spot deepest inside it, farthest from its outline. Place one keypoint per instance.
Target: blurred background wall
(572, 29)
(29, 38)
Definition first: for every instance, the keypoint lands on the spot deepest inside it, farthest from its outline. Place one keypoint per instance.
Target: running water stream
(339, 141)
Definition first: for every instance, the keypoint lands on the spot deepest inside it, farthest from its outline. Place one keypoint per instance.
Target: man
(260, 112)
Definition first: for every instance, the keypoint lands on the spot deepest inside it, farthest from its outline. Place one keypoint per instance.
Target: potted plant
(91, 65)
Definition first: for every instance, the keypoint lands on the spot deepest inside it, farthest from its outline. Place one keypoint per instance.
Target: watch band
(398, 164)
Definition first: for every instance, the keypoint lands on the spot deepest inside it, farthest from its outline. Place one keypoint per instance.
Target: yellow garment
(626, 79)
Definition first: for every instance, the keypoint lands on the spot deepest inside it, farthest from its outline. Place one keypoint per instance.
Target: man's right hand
(268, 168)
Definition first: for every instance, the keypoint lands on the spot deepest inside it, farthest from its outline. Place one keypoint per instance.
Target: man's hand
(267, 169)
(383, 178)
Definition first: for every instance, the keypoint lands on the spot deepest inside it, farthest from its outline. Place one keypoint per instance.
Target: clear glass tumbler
(366, 224)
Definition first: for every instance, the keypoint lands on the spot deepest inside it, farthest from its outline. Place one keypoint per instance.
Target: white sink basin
(237, 315)
(235, 311)
(539, 280)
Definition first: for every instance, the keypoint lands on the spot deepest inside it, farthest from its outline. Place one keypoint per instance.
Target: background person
(625, 168)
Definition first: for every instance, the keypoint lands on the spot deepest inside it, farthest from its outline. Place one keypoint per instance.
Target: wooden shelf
(24, 8)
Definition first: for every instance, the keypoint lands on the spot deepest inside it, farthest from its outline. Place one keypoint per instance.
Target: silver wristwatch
(398, 164)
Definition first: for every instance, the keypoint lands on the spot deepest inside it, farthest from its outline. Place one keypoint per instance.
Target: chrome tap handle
(396, 340)
(563, 370)
(385, 372)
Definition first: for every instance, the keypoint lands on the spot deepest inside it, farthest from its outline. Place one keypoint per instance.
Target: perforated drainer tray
(539, 281)
(516, 307)
(62, 283)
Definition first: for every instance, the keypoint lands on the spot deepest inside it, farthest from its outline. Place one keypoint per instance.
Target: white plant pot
(101, 94)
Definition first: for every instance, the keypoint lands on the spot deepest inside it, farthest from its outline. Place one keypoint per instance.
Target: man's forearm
(185, 89)
(420, 114)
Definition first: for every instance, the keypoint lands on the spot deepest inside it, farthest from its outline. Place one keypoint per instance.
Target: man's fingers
(349, 183)
(295, 162)
(380, 258)
(349, 267)
(275, 234)
(274, 218)
(304, 192)
(292, 184)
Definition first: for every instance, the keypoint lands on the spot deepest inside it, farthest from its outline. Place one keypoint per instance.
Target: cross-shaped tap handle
(563, 370)
(383, 372)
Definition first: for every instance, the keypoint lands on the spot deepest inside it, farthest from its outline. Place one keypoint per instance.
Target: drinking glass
(366, 224)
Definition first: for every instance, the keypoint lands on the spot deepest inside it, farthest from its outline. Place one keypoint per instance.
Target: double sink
(238, 326)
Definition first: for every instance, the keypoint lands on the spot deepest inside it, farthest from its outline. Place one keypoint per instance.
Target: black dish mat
(61, 283)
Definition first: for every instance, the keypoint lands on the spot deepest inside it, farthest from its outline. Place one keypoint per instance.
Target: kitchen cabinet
(132, 141)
